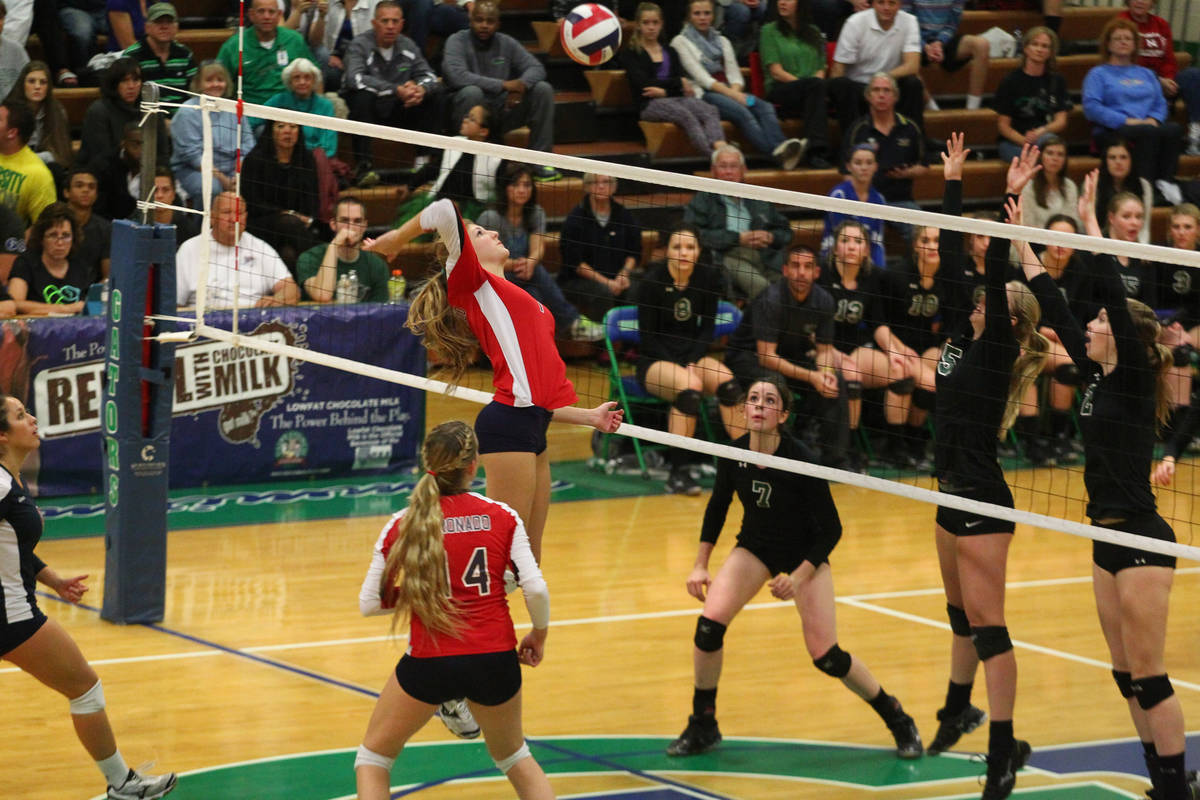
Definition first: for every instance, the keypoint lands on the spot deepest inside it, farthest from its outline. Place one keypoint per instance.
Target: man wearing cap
(164, 61)
(269, 48)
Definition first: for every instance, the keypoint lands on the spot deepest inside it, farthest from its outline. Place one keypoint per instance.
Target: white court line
(860, 601)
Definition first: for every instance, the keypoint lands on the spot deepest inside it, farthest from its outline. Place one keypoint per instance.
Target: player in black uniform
(677, 312)
(1124, 398)
(789, 527)
(1179, 293)
(982, 374)
(916, 296)
(38, 644)
(871, 356)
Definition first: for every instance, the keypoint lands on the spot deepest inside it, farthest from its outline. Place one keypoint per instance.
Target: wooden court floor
(263, 658)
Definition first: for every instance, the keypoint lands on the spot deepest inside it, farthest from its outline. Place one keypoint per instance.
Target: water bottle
(352, 283)
(396, 287)
(342, 293)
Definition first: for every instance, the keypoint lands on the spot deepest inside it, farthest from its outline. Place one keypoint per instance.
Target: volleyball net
(861, 296)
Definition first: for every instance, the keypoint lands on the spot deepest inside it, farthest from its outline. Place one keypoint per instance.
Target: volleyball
(591, 34)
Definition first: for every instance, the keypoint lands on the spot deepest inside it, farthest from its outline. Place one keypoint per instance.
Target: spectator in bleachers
(1179, 285)
(186, 225)
(467, 179)
(51, 138)
(870, 357)
(899, 142)
(321, 266)
(120, 175)
(269, 48)
(344, 20)
(485, 67)
(261, 277)
(126, 23)
(307, 18)
(105, 120)
(601, 246)
(1051, 192)
(656, 79)
(279, 181)
(95, 231)
(942, 44)
(880, 39)
(1125, 100)
(708, 59)
(49, 278)
(793, 61)
(1032, 100)
(389, 82)
(449, 17)
(747, 239)
(1156, 52)
(305, 92)
(861, 166)
(1118, 173)
(82, 23)
(740, 20)
(42, 16)
(521, 223)
(211, 79)
(677, 305)
(26, 185)
(164, 59)
(13, 58)
(831, 15)
(788, 330)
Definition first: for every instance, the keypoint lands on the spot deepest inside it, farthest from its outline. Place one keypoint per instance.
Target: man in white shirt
(880, 39)
(262, 277)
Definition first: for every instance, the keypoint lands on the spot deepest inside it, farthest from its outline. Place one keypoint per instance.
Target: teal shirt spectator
(795, 55)
(313, 104)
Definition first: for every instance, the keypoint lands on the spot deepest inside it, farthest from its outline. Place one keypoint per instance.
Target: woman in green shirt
(793, 58)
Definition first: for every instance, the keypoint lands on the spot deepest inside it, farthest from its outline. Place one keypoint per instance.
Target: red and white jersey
(515, 331)
(481, 538)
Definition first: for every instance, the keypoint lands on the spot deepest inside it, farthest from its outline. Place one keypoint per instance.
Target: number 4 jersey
(481, 537)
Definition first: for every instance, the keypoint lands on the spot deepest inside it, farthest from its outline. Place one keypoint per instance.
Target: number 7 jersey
(481, 538)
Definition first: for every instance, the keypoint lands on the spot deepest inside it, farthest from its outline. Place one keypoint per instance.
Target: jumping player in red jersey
(441, 563)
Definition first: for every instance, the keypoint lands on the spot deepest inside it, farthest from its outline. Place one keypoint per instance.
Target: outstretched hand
(954, 157)
(72, 589)
(1014, 209)
(607, 417)
(1023, 168)
(1087, 196)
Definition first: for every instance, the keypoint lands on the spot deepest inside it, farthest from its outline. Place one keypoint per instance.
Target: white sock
(1194, 131)
(932, 105)
(114, 768)
(974, 101)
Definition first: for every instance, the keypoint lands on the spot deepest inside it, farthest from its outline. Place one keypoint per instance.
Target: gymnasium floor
(259, 682)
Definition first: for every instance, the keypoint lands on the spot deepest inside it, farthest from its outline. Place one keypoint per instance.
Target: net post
(138, 384)
(150, 127)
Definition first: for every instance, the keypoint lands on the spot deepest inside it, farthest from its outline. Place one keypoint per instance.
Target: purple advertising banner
(240, 415)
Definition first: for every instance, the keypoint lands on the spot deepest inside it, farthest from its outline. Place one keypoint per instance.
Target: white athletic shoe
(457, 718)
(142, 787)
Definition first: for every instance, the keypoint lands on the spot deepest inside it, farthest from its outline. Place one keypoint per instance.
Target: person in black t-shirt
(1032, 99)
(48, 278)
(95, 232)
(982, 375)
(790, 525)
(1125, 398)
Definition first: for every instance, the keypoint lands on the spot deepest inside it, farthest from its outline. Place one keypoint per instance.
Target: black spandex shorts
(777, 559)
(508, 429)
(961, 523)
(15, 634)
(488, 679)
(1113, 557)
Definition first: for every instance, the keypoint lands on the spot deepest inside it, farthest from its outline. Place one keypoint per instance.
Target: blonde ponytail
(416, 570)
(442, 327)
(1148, 328)
(1034, 349)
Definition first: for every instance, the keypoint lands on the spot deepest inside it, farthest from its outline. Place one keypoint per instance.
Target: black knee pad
(835, 663)
(1124, 683)
(903, 386)
(730, 393)
(853, 390)
(1067, 374)
(710, 634)
(990, 641)
(1151, 690)
(688, 402)
(924, 399)
(958, 620)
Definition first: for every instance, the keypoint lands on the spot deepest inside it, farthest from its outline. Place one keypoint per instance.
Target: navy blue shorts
(1113, 558)
(961, 523)
(488, 679)
(508, 429)
(15, 634)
